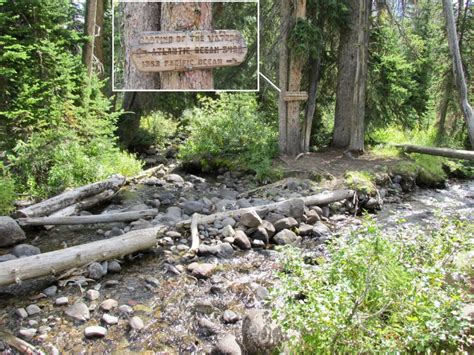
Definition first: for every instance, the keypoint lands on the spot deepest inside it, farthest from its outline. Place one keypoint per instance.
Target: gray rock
(114, 266)
(174, 178)
(7, 257)
(256, 243)
(152, 281)
(325, 212)
(173, 234)
(260, 334)
(173, 212)
(92, 295)
(22, 313)
(50, 291)
(227, 345)
(261, 234)
(250, 219)
(230, 316)
(24, 250)
(313, 216)
(33, 309)
(223, 250)
(109, 319)
(108, 304)
(78, 311)
(61, 301)
(125, 309)
(285, 237)
(305, 230)
(115, 232)
(243, 203)
(269, 227)
(228, 231)
(320, 230)
(96, 271)
(28, 333)
(228, 221)
(241, 240)
(95, 331)
(261, 293)
(285, 223)
(136, 323)
(201, 271)
(10, 232)
(272, 217)
(190, 207)
(294, 208)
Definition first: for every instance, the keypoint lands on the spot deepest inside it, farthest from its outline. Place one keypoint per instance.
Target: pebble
(95, 331)
(78, 311)
(229, 240)
(61, 301)
(108, 304)
(227, 345)
(33, 323)
(92, 295)
(208, 327)
(201, 271)
(24, 250)
(114, 266)
(152, 281)
(136, 323)
(228, 232)
(95, 271)
(230, 316)
(28, 333)
(285, 223)
(44, 329)
(285, 237)
(125, 309)
(107, 318)
(33, 309)
(50, 291)
(182, 247)
(21, 312)
(257, 243)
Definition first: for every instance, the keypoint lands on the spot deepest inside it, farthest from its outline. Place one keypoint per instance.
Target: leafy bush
(228, 131)
(155, 129)
(52, 160)
(377, 293)
(7, 191)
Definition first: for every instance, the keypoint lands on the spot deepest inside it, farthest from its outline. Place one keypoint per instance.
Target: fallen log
(19, 344)
(145, 173)
(318, 199)
(68, 198)
(93, 219)
(83, 205)
(54, 262)
(442, 152)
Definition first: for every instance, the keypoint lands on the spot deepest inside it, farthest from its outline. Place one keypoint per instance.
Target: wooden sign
(295, 96)
(183, 51)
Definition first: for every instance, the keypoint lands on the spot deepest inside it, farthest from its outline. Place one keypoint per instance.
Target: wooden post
(285, 15)
(185, 17)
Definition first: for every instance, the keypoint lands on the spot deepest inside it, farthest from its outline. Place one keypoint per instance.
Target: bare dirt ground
(333, 163)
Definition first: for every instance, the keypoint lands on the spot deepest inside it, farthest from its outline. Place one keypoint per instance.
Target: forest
(316, 196)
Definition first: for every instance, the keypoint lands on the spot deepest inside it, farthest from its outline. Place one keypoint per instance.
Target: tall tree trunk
(285, 16)
(356, 142)
(458, 70)
(186, 17)
(351, 78)
(311, 104)
(443, 107)
(138, 17)
(93, 51)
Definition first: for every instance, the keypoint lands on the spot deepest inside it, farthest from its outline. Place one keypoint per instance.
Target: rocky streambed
(167, 300)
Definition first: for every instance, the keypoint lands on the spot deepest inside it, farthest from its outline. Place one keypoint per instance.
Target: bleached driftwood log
(195, 241)
(92, 219)
(68, 198)
(56, 261)
(442, 152)
(318, 199)
(145, 173)
(19, 344)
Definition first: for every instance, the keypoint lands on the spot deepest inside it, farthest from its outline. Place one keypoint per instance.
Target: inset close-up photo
(198, 46)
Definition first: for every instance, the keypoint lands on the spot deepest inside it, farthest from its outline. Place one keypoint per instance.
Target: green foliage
(379, 293)
(55, 124)
(230, 132)
(305, 39)
(7, 191)
(360, 181)
(156, 129)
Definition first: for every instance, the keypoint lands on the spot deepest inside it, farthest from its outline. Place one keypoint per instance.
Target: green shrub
(228, 131)
(378, 294)
(7, 191)
(156, 129)
(361, 181)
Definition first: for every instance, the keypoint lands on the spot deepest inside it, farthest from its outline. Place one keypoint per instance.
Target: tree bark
(68, 198)
(294, 83)
(443, 107)
(93, 51)
(56, 261)
(285, 16)
(311, 104)
(93, 219)
(442, 152)
(351, 78)
(186, 17)
(458, 71)
(356, 142)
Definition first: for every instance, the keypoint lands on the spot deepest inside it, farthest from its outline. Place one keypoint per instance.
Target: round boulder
(10, 232)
